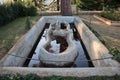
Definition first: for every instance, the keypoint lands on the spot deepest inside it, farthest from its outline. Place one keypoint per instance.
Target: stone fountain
(67, 52)
(96, 50)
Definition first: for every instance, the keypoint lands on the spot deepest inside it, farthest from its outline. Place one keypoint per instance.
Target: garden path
(111, 34)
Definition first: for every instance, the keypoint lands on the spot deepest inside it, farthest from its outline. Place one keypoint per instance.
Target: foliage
(12, 11)
(37, 3)
(79, 3)
(40, 4)
(116, 53)
(96, 4)
(28, 23)
(36, 77)
(2, 12)
(31, 77)
(31, 11)
(111, 15)
(73, 1)
(91, 5)
(114, 4)
(26, 3)
(11, 77)
(5, 14)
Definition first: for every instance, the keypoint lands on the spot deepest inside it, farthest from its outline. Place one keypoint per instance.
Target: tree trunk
(66, 8)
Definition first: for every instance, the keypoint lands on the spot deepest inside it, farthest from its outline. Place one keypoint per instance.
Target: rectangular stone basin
(95, 49)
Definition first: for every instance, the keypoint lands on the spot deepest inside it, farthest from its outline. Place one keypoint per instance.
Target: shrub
(8, 44)
(22, 10)
(27, 23)
(3, 13)
(36, 77)
(111, 15)
(31, 11)
(9, 14)
(15, 10)
(31, 77)
(116, 53)
(1, 20)
(18, 9)
(11, 77)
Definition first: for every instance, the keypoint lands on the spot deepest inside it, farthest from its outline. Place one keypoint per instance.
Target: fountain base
(68, 50)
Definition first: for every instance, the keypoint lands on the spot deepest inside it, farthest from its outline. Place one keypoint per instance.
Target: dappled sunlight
(95, 48)
(91, 20)
(80, 29)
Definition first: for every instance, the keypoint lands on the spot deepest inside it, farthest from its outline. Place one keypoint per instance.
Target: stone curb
(73, 72)
(107, 21)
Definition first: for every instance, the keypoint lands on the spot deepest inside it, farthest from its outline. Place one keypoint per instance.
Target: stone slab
(73, 72)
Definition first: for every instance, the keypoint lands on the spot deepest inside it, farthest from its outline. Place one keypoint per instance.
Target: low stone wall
(74, 12)
(95, 48)
(89, 12)
(66, 56)
(73, 72)
(106, 21)
(48, 13)
(23, 46)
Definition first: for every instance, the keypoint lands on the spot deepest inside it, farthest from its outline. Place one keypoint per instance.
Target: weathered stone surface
(61, 58)
(75, 72)
(94, 47)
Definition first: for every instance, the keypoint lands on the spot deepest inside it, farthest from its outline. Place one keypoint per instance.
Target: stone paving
(111, 34)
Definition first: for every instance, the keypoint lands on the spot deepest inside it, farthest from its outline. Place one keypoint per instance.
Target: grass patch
(28, 23)
(36, 77)
(115, 52)
(11, 32)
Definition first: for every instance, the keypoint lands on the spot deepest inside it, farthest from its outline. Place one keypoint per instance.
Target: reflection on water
(77, 63)
(81, 59)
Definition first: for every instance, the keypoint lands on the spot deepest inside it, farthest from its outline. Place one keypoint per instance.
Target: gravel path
(111, 34)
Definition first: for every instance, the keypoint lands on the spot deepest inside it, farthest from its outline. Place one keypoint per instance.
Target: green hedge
(111, 15)
(10, 12)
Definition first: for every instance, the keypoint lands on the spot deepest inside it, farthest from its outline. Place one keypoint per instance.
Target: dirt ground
(111, 34)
